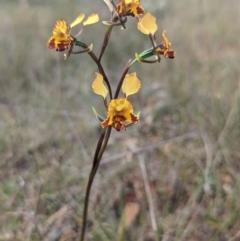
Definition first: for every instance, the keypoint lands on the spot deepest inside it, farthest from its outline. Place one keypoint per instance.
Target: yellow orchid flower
(61, 38)
(120, 110)
(147, 25)
(164, 48)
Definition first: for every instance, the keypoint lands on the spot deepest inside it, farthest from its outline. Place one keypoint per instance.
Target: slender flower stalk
(105, 41)
(93, 172)
(125, 70)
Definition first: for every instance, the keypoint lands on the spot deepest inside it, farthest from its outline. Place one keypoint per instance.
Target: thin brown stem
(153, 39)
(101, 146)
(98, 148)
(105, 42)
(125, 70)
(102, 72)
(100, 68)
(89, 185)
(108, 133)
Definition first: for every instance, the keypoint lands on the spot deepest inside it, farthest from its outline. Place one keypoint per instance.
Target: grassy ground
(179, 167)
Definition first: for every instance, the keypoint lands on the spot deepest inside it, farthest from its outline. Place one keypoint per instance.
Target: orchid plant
(119, 110)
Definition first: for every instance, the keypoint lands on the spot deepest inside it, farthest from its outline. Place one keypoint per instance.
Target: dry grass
(187, 181)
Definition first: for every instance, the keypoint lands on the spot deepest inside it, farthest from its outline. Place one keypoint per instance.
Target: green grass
(189, 110)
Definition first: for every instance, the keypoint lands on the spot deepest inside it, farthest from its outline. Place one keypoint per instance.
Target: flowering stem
(108, 133)
(100, 68)
(105, 41)
(153, 40)
(101, 146)
(89, 185)
(122, 78)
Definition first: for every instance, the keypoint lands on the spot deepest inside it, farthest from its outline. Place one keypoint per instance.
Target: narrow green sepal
(144, 55)
(112, 24)
(147, 53)
(97, 115)
(83, 45)
(108, 23)
(79, 43)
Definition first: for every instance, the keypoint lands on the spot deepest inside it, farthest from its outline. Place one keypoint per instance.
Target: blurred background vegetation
(174, 175)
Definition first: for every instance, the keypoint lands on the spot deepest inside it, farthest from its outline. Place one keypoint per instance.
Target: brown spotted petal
(119, 111)
(61, 38)
(129, 8)
(59, 44)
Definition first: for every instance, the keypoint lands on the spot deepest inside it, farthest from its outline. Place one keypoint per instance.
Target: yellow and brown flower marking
(129, 8)
(120, 110)
(61, 38)
(164, 48)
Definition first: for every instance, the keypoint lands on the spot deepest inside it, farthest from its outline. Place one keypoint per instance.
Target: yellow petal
(61, 28)
(131, 84)
(98, 86)
(93, 18)
(147, 24)
(142, 28)
(78, 20)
